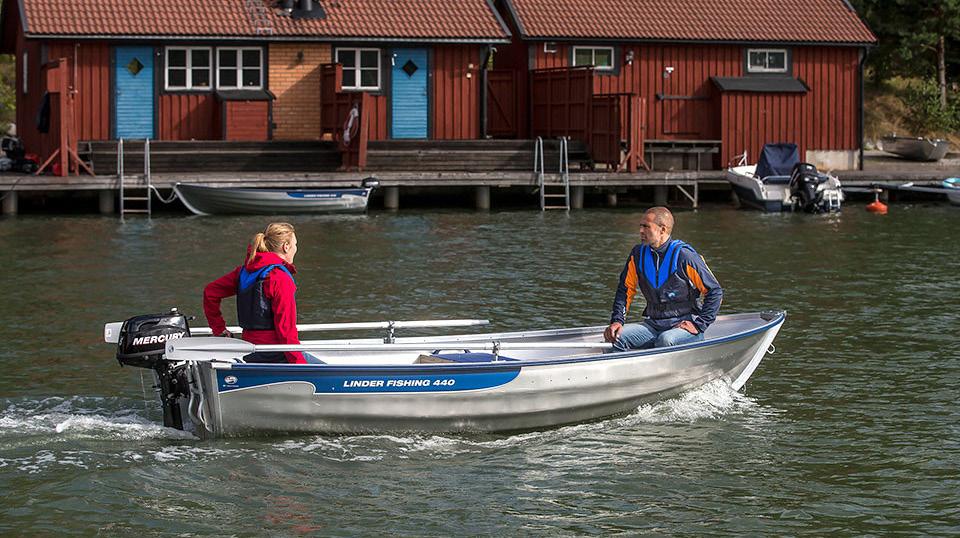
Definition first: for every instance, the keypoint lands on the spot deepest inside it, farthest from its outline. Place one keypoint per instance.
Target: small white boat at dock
(449, 383)
(205, 200)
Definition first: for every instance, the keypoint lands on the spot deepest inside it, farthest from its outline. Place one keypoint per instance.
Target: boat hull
(752, 193)
(915, 149)
(256, 399)
(203, 200)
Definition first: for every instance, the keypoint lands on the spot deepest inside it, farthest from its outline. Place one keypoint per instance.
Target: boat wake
(79, 417)
(714, 401)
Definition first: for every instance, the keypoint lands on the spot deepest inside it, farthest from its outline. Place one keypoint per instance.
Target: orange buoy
(876, 206)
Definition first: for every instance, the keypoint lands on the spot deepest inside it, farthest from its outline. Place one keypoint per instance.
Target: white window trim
(356, 56)
(239, 69)
(786, 61)
(593, 57)
(189, 68)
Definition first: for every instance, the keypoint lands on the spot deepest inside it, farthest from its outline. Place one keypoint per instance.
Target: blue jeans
(643, 336)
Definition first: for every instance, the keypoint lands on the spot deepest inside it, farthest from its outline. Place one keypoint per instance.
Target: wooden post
(660, 195)
(611, 199)
(366, 108)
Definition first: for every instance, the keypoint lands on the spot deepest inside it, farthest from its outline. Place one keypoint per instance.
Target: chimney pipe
(287, 5)
(306, 5)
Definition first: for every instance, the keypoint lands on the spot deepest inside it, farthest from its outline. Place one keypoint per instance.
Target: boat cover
(777, 160)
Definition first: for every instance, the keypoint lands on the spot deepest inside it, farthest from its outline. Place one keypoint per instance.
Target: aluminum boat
(205, 200)
(915, 148)
(450, 383)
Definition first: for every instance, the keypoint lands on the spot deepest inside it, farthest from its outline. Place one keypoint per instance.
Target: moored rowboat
(204, 200)
(915, 148)
(452, 383)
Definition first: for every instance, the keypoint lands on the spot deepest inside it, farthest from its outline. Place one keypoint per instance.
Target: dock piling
(10, 203)
(106, 202)
(483, 197)
(391, 198)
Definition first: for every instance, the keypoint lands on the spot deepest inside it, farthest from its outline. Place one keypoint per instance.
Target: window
(361, 68)
(599, 57)
(188, 68)
(766, 61)
(26, 63)
(240, 68)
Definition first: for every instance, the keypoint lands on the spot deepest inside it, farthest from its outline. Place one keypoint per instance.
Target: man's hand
(687, 326)
(613, 332)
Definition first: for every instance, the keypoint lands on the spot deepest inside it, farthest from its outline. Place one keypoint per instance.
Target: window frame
(358, 68)
(26, 70)
(239, 68)
(593, 56)
(188, 68)
(767, 70)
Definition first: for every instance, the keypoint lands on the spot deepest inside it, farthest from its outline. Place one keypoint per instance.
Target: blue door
(408, 97)
(133, 92)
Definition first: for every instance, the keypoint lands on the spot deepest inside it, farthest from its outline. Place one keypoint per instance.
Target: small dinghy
(204, 200)
(452, 383)
(780, 182)
(915, 148)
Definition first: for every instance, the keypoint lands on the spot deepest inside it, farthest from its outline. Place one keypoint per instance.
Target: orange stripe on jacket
(694, 277)
(631, 283)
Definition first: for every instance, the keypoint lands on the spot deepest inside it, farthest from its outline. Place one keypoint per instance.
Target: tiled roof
(382, 19)
(812, 21)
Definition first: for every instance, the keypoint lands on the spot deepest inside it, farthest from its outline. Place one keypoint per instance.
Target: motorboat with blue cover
(205, 200)
(952, 186)
(489, 382)
(780, 182)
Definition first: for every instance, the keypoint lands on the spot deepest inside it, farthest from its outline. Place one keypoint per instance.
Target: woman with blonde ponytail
(265, 290)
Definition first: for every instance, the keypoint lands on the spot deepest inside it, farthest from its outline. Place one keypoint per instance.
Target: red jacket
(277, 286)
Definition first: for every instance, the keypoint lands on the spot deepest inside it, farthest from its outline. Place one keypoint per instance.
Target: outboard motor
(141, 343)
(804, 182)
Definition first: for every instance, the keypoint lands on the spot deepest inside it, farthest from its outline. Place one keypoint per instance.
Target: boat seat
(776, 180)
(466, 356)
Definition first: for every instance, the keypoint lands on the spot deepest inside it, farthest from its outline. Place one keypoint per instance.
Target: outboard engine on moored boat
(813, 191)
(141, 343)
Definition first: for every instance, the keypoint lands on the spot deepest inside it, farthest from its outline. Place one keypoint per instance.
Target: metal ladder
(564, 171)
(141, 196)
(259, 17)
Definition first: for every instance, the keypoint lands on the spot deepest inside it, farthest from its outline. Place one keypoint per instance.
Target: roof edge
(269, 39)
(608, 40)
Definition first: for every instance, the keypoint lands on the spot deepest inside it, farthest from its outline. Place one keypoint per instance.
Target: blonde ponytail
(271, 239)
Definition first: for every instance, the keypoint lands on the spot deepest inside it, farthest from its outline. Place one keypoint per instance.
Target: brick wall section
(296, 85)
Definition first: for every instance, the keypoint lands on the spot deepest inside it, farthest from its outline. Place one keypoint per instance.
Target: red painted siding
(188, 116)
(825, 118)
(456, 92)
(245, 120)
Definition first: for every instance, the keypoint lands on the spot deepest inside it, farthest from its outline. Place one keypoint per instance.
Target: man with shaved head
(683, 297)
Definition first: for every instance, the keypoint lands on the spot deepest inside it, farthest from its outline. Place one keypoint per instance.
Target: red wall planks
(686, 105)
(456, 92)
(245, 120)
(189, 116)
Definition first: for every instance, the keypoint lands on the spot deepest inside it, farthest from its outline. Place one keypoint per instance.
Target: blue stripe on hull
(333, 383)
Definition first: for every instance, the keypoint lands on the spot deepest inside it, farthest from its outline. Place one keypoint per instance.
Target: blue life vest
(254, 311)
(665, 289)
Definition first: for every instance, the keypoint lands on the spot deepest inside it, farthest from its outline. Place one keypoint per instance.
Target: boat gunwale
(414, 369)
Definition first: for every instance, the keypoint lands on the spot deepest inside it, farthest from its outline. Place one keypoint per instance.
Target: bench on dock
(686, 150)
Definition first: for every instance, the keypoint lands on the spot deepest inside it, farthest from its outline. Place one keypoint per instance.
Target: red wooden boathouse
(731, 74)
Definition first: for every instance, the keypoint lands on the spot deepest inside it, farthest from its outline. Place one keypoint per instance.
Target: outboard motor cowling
(143, 338)
(804, 182)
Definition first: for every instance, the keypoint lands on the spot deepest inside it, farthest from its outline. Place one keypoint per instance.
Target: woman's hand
(226, 334)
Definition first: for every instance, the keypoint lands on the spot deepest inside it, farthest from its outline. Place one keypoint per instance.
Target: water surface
(851, 427)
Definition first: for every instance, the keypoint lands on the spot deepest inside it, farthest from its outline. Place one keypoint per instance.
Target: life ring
(351, 126)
